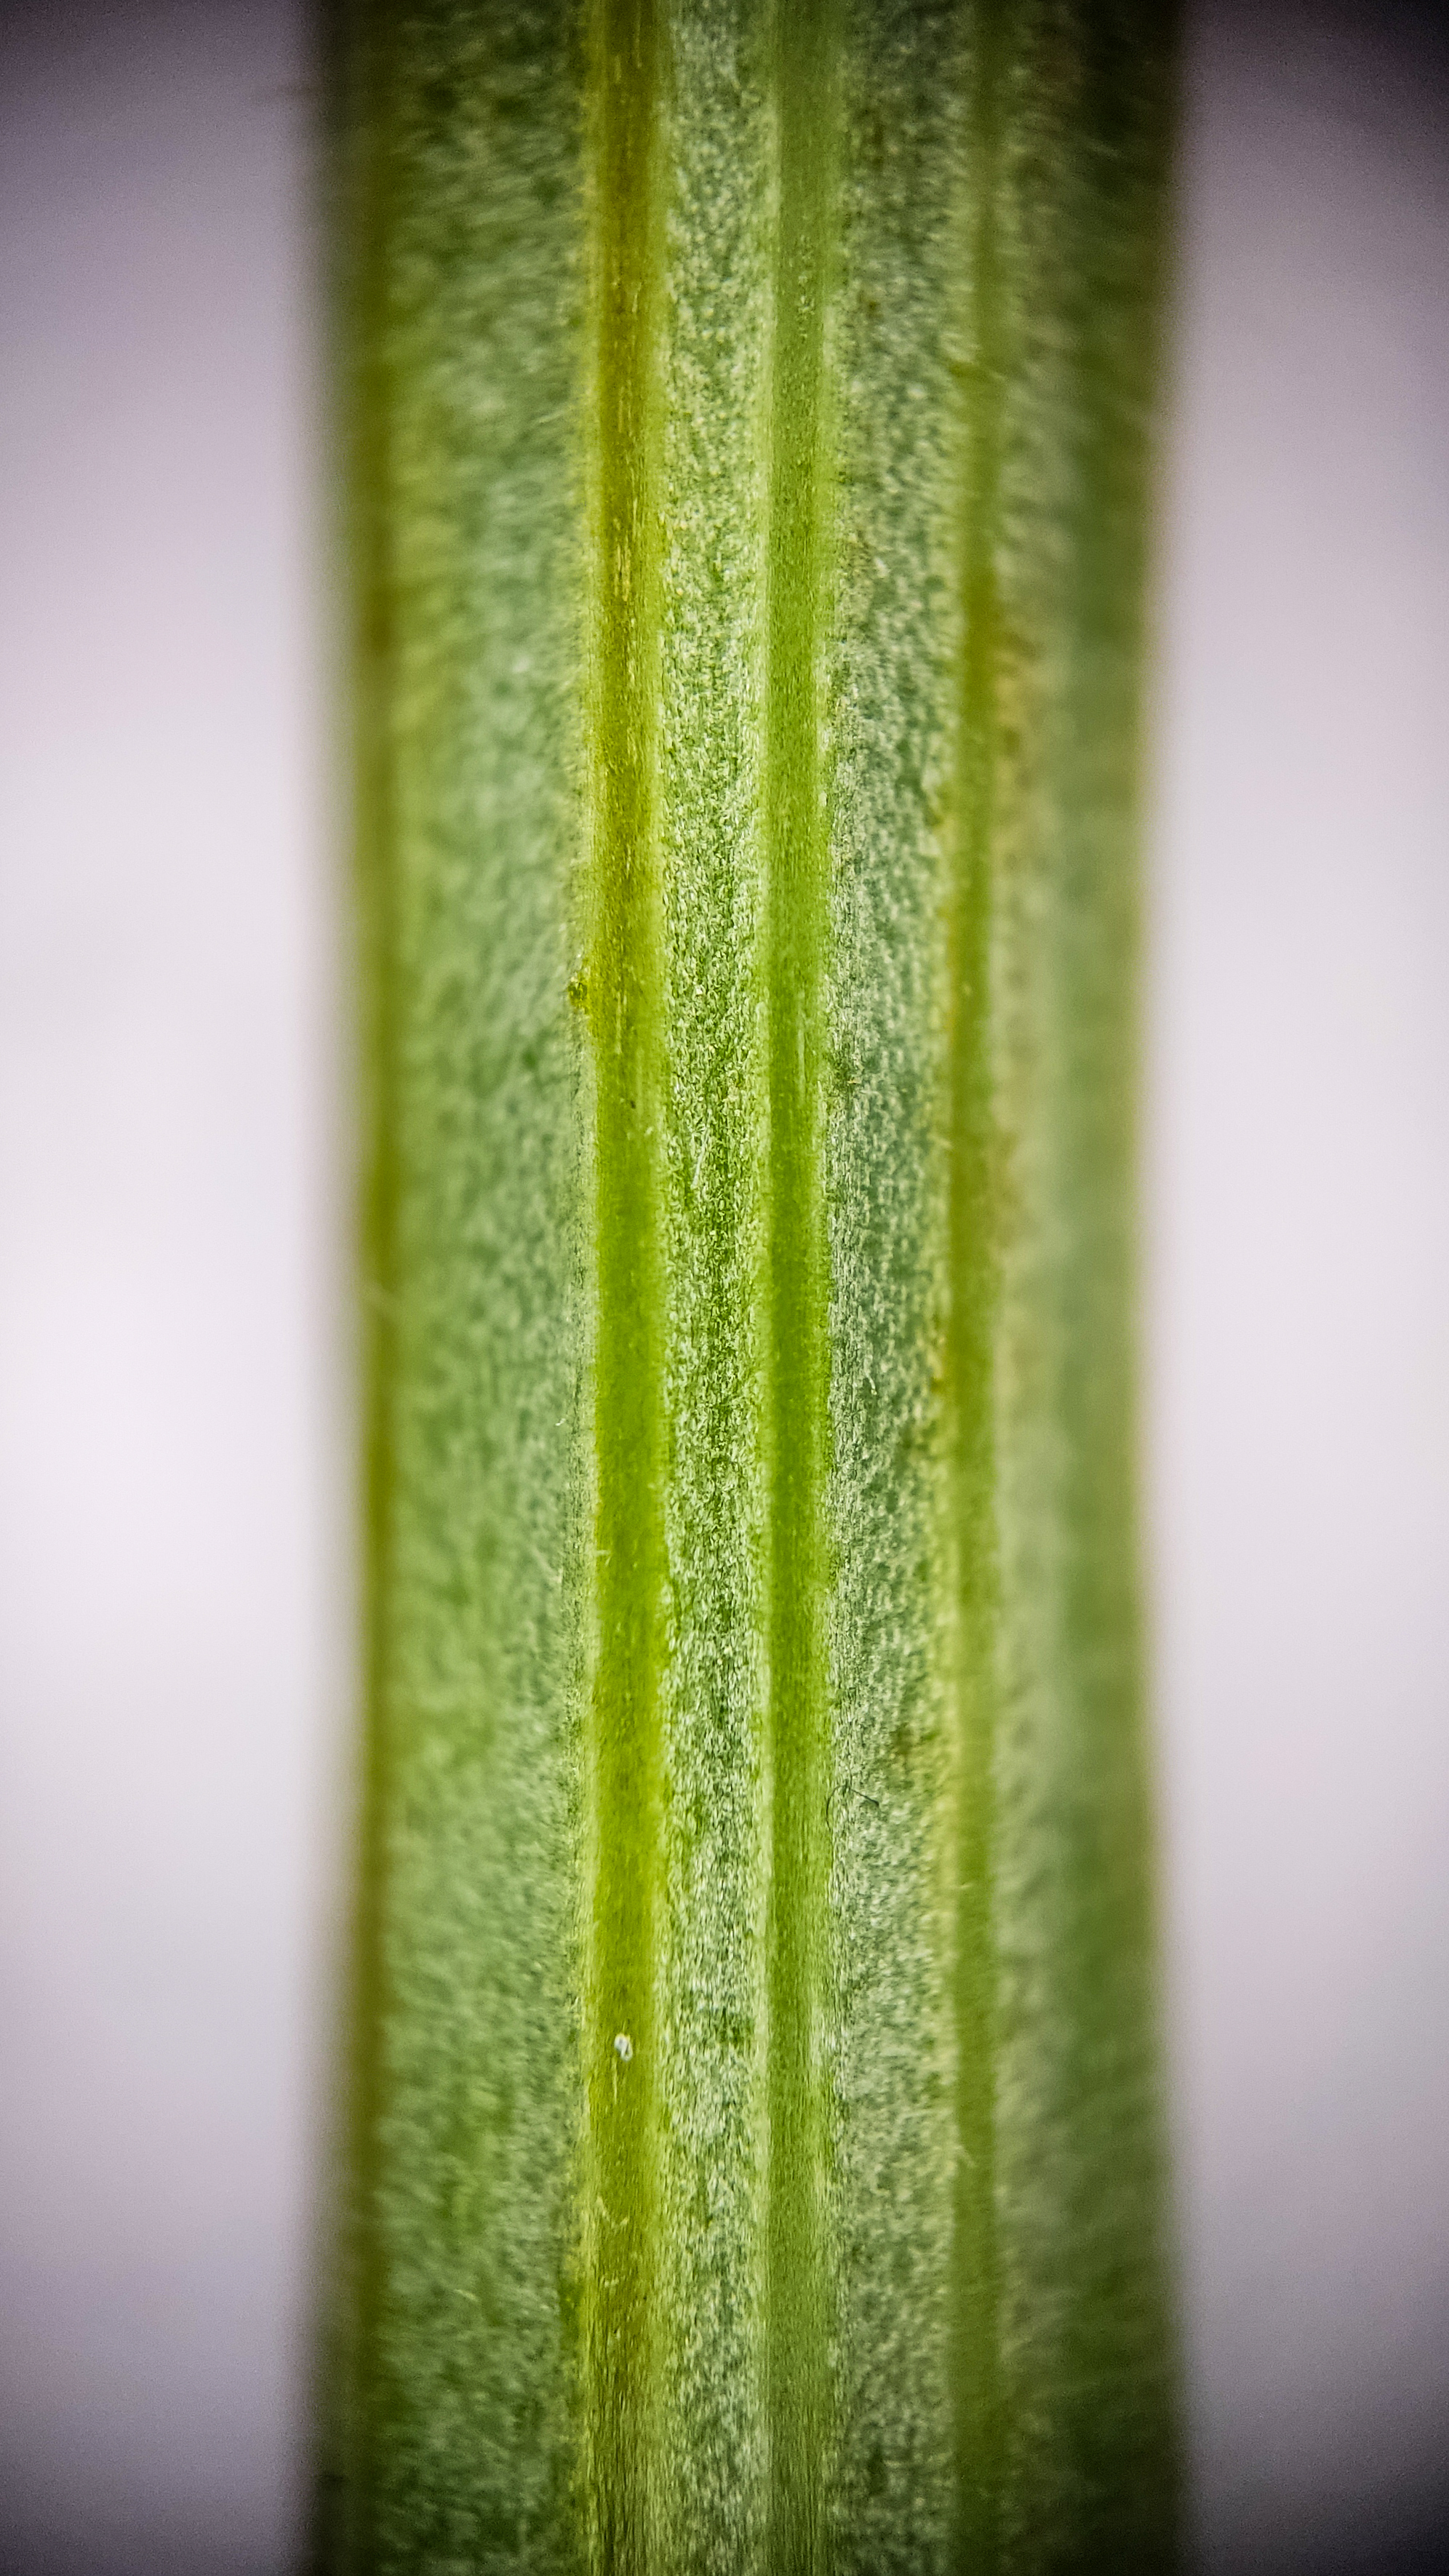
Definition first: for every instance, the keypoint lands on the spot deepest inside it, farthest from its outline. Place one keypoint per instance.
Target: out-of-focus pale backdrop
(175, 1619)
(1298, 1259)
(173, 1366)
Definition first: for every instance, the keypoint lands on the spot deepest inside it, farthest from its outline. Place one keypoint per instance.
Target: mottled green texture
(623, 999)
(798, 2001)
(755, 2135)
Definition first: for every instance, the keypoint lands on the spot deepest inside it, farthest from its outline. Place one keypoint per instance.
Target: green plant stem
(755, 2149)
(797, 1727)
(624, 1010)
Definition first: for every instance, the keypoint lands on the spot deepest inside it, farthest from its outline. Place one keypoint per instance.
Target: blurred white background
(1298, 1253)
(173, 1374)
(174, 1338)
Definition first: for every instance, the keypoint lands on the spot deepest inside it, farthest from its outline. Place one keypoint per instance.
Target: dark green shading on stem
(452, 2411)
(755, 2139)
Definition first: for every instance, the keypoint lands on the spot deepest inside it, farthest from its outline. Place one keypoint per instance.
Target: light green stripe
(622, 2031)
(713, 505)
(798, 1724)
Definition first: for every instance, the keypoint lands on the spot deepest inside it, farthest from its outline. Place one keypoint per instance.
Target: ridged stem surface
(754, 2152)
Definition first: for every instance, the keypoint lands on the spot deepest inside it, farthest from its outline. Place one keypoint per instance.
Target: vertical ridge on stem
(713, 504)
(805, 74)
(621, 2036)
